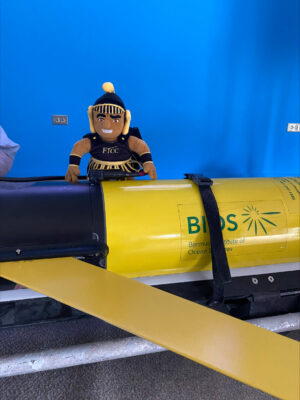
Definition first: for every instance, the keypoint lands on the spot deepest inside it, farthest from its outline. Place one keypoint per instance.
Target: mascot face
(108, 126)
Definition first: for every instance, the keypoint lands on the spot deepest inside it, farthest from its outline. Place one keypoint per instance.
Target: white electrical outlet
(59, 119)
(293, 127)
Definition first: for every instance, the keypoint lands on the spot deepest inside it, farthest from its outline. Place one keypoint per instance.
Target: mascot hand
(149, 169)
(72, 174)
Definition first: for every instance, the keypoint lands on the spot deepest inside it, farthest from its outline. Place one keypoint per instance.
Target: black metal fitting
(199, 179)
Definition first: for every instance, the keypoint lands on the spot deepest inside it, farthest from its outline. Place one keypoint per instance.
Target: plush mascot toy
(111, 143)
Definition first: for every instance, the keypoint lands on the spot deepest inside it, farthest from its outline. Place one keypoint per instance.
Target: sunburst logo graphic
(258, 219)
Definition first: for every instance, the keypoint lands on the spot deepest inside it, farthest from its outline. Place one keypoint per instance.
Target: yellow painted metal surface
(257, 357)
(159, 227)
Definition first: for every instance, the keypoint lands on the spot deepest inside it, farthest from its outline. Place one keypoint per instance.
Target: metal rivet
(255, 281)
(95, 236)
(18, 251)
(271, 279)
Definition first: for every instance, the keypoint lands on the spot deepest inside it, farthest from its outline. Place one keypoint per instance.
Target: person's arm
(80, 148)
(140, 147)
(5, 163)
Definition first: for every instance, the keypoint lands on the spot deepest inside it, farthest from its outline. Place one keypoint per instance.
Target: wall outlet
(59, 119)
(293, 127)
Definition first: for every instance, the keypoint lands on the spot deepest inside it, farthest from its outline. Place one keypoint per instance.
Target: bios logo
(256, 221)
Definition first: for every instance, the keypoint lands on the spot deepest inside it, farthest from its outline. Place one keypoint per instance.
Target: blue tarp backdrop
(212, 84)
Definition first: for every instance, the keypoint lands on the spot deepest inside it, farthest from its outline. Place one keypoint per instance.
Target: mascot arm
(80, 148)
(141, 148)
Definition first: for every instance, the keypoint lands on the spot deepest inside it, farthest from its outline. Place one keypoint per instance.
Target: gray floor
(158, 376)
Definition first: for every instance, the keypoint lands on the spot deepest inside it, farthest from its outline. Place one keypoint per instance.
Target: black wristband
(74, 160)
(146, 157)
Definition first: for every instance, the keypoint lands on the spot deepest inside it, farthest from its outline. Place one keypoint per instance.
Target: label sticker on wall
(293, 127)
(247, 227)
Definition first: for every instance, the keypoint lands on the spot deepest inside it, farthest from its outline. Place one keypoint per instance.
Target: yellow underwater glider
(164, 233)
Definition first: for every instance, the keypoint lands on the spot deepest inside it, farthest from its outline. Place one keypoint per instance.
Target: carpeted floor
(159, 376)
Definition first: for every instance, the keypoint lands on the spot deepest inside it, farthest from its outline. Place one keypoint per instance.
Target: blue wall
(212, 84)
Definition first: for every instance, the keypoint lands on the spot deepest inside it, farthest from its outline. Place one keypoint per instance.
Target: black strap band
(146, 157)
(220, 267)
(74, 160)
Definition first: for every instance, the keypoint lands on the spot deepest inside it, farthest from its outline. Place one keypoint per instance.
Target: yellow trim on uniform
(109, 162)
(73, 165)
(127, 122)
(119, 109)
(125, 166)
(74, 154)
(146, 152)
(147, 162)
(90, 115)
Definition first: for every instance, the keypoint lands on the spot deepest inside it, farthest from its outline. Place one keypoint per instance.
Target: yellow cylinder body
(160, 227)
